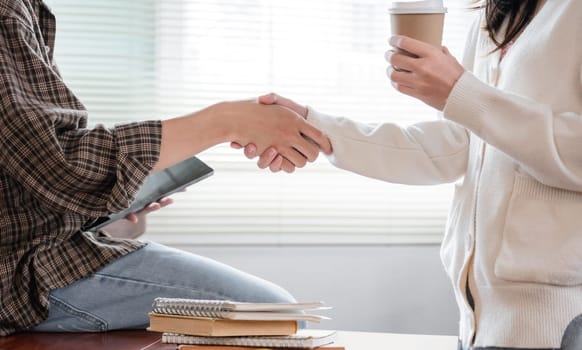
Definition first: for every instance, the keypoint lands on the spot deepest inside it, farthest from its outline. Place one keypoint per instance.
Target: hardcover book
(204, 326)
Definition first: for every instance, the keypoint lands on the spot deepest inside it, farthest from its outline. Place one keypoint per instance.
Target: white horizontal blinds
(105, 50)
(328, 54)
(318, 208)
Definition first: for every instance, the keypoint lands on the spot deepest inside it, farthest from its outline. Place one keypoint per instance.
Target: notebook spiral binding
(185, 307)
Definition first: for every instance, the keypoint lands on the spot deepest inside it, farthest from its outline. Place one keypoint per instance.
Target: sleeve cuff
(467, 102)
(138, 147)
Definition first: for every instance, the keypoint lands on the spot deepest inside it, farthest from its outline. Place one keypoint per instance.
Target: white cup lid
(417, 6)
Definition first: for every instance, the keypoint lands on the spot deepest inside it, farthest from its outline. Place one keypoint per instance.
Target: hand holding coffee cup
(419, 19)
(429, 74)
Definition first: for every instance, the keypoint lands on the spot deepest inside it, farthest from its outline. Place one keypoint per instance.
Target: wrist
(227, 116)
(222, 121)
(191, 134)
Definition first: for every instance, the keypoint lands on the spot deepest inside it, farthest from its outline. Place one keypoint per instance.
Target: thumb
(132, 218)
(273, 98)
(268, 99)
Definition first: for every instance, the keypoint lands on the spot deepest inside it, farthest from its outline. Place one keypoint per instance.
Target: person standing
(509, 138)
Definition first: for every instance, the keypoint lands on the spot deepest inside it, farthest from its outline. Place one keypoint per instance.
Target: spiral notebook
(238, 310)
(305, 338)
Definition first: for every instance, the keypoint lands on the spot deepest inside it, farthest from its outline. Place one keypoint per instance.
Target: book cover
(203, 326)
(238, 310)
(304, 339)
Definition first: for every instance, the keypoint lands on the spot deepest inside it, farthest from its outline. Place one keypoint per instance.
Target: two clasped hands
(276, 129)
(429, 77)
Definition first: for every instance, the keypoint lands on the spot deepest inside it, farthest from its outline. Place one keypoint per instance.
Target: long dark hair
(518, 13)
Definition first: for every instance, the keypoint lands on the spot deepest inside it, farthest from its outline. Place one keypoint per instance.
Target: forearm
(243, 122)
(186, 136)
(424, 153)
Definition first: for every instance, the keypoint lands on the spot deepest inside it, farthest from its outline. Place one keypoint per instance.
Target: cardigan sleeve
(545, 142)
(45, 146)
(425, 153)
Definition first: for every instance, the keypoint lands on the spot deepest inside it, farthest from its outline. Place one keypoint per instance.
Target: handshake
(293, 142)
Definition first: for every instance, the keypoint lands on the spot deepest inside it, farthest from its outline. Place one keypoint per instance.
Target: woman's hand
(274, 99)
(281, 128)
(270, 157)
(429, 77)
(134, 224)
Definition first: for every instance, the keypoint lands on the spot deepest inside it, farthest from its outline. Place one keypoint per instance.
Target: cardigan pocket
(542, 237)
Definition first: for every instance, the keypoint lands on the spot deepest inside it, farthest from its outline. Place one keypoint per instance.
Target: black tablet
(159, 185)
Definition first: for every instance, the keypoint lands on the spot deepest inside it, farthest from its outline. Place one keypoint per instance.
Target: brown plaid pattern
(55, 174)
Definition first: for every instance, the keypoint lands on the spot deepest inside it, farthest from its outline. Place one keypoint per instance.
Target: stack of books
(227, 325)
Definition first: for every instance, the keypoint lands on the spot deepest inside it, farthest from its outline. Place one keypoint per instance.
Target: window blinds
(133, 60)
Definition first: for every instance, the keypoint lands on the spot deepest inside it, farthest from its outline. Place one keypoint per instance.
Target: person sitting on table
(56, 175)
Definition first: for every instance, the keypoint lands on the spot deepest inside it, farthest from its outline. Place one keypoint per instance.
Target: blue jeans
(120, 295)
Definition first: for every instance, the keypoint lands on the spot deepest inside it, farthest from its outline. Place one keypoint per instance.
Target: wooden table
(390, 341)
(142, 340)
(117, 340)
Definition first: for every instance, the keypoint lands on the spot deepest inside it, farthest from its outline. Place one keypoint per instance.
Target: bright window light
(134, 60)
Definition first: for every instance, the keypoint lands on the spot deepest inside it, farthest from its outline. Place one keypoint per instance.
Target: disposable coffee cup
(419, 19)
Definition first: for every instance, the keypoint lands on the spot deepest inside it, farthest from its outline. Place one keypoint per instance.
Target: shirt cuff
(138, 146)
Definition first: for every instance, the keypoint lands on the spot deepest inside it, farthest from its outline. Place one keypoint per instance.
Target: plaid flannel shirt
(55, 174)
